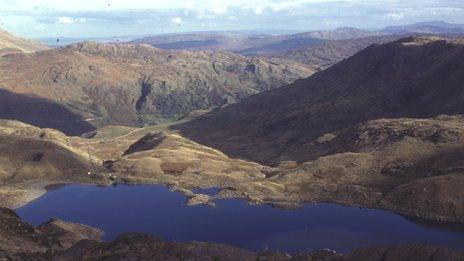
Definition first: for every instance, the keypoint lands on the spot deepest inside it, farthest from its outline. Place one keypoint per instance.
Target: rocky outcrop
(62, 235)
(18, 237)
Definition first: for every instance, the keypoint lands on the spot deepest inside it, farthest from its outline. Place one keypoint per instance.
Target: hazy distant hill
(250, 44)
(434, 27)
(261, 44)
(209, 41)
(342, 33)
(63, 41)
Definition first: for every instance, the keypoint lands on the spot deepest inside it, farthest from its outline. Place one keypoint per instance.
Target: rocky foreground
(60, 240)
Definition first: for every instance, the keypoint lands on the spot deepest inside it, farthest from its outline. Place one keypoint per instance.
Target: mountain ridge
(10, 43)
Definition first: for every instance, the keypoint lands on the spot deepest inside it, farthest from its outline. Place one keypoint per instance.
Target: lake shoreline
(147, 208)
(34, 190)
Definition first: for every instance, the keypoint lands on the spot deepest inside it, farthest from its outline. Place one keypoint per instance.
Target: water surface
(160, 212)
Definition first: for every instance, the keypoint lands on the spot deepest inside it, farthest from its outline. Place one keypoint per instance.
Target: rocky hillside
(412, 77)
(89, 84)
(10, 43)
(20, 238)
(409, 166)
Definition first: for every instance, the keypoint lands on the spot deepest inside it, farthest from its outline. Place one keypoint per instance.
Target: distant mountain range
(434, 27)
(249, 44)
(63, 41)
(252, 41)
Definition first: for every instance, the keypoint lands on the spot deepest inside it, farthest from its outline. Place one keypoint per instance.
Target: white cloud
(70, 20)
(177, 20)
(65, 20)
(394, 16)
(189, 5)
(118, 17)
(214, 6)
(218, 8)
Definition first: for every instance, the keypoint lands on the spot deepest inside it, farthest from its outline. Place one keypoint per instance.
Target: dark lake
(160, 212)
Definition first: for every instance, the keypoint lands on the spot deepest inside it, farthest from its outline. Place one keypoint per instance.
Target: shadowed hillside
(412, 77)
(42, 113)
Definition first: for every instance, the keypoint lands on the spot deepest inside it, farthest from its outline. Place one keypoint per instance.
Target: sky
(105, 18)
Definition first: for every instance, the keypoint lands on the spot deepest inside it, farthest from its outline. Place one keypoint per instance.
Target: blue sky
(103, 18)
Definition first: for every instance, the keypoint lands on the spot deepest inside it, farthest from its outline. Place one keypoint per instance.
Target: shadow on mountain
(414, 77)
(41, 113)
